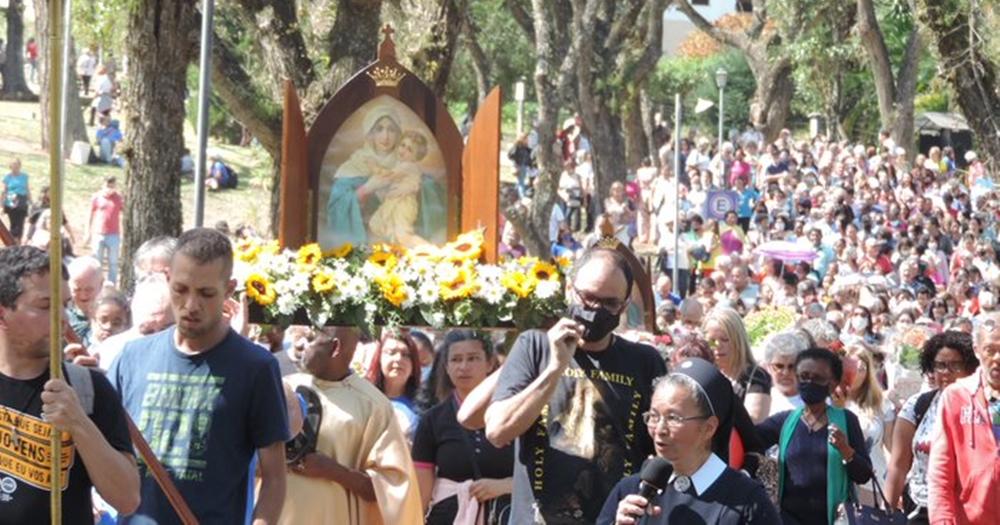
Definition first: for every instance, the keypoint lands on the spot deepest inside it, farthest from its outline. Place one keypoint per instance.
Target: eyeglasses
(949, 366)
(608, 303)
(674, 421)
(779, 367)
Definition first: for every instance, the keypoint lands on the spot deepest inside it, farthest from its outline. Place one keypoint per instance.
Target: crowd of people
(885, 379)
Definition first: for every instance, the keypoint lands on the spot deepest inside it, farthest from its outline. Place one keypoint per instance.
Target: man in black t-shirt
(96, 450)
(573, 398)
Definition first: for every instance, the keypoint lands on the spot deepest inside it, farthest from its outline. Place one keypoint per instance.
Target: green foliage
(221, 123)
(511, 54)
(694, 78)
(100, 23)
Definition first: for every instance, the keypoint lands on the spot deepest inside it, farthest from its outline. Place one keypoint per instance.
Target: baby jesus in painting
(398, 189)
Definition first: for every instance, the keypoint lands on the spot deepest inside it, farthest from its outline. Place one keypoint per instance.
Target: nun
(689, 409)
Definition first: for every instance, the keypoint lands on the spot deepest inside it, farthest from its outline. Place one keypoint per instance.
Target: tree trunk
(895, 93)
(972, 74)
(480, 62)
(159, 49)
(432, 62)
(76, 130)
(636, 147)
(15, 87)
(532, 223)
(772, 97)
(608, 147)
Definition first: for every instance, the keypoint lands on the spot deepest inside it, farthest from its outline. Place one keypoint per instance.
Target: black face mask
(597, 322)
(811, 393)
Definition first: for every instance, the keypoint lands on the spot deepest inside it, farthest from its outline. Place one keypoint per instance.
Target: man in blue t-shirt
(204, 397)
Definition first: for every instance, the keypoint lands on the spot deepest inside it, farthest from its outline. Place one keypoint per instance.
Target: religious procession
(500, 262)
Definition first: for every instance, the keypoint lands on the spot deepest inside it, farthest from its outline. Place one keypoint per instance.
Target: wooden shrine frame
(472, 169)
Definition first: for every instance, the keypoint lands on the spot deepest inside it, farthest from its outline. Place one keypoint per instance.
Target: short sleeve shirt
(441, 443)
(753, 380)
(923, 438)
(204, 416)
(16, 185)
(589, 436)
(25, 459)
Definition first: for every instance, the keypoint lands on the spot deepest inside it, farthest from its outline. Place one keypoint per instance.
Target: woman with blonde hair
(727, 336)
(876, 414)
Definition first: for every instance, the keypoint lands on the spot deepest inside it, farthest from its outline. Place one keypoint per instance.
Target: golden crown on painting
(386, 76)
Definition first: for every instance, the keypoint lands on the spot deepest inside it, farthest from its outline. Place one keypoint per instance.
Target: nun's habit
(715, 493)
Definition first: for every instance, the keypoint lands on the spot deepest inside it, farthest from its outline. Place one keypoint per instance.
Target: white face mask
(859, 324)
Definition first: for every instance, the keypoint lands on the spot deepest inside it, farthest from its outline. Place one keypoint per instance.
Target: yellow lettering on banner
(612, 377)
(29, 456)
(576, 373)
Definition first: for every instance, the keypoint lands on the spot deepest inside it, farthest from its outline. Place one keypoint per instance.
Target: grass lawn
(20, 132)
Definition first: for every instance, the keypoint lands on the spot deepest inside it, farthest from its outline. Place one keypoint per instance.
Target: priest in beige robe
(361, 472)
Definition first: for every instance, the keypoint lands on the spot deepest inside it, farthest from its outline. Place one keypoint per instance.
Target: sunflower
(467, 247)
(425, 252)
(247, 251)
(260, 289)
(460, 286)
(522, 285)
(384, 260)
(323, 282)
(340, 252)
(309, 256)
(270, 248)
(544, 271)
(563, 262)
(393, 288)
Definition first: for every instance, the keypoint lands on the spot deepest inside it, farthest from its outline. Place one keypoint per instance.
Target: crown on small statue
(386, 76)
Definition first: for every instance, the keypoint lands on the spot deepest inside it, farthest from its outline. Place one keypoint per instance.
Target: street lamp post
(721, 77)
(519, 97)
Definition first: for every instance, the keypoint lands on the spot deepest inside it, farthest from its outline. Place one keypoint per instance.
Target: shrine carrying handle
(159, 473)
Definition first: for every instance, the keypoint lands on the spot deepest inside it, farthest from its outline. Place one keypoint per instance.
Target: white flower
(491, 292)
(546, 289)
(489, 272)
(287, 304)
(427, 293)
(355, 288)
(371, 271)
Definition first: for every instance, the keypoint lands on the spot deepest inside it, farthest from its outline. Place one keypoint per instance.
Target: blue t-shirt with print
(204, 416)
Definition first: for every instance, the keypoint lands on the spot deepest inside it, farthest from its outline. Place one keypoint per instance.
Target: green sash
(836, 473)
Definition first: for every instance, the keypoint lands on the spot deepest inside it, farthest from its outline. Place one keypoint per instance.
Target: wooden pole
(55, 244)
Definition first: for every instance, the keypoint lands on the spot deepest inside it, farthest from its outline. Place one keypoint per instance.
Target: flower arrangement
(391, 285)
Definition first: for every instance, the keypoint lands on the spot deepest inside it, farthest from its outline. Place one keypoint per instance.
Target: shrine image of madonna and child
(378, 192)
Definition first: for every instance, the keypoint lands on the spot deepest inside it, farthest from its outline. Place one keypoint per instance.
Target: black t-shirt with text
(25, 453)
(588, 437)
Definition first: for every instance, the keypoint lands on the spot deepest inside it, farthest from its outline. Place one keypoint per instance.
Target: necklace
(15, 437)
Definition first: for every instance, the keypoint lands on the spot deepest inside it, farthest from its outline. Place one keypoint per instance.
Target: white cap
(970, 156)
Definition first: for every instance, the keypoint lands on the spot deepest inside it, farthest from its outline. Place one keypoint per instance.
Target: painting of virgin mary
(386, 180)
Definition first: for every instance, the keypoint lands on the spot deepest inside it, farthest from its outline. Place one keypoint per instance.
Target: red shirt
(32, 49)
(106, 212)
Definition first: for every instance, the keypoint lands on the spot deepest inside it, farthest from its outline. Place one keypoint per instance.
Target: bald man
(573, 397)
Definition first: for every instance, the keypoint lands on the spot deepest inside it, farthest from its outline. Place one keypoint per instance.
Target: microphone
(653, 478)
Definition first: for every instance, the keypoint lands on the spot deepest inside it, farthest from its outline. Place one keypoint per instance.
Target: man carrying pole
(85, 412)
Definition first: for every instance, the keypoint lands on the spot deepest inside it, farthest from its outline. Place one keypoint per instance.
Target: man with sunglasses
(964, 471)
(573, 398)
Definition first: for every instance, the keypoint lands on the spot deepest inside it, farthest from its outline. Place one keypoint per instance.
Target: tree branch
(231, 81)
(624, 25)
(522, 17)
(480, 62)
(873, 42)
(725, 37)
(276, 24)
